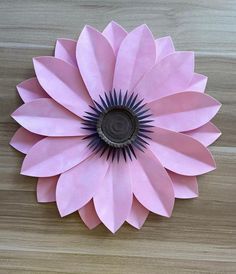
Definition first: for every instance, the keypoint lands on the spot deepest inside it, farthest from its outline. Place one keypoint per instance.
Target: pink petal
(78, 185)
(46, 117)
(89, 216)
(136, 56)
(115, 34)
(113, 199)
(66, 50)
(184, 111)
(180, 153)
(198, 83)
(63, 83)
(23, 140)
(206, 134)
(185, 187)
(30, 90)
(151, 184)
(138, 214)
(53, 155)
(171, 75)
(96, 61)
(46, 189)
(164, 47)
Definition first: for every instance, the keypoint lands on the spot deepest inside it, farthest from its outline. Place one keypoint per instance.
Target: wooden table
(201, 235)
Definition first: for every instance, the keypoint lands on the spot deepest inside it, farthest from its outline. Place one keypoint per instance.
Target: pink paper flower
(115, 125)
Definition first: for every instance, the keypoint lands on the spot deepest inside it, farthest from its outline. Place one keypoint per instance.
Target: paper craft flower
(115, 125)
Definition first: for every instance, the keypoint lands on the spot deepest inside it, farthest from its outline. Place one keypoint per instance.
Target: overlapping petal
(30, 90)
(54, 155)
(77, 186)
(138, 214)
(96, 61)
(183, 111)
(164, 47)
(23, 140)
(46, 117)
(89, 215)
(151, 184)
(198, 83)
(63, 83)
(171, 75)
(115, 34)
(65, 49)
(136, 56)
(185, 187)
(46, 189)
(181, 153)
(206, 134)
(113, 199)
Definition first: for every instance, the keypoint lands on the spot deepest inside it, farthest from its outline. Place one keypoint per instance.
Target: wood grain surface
(200, 237)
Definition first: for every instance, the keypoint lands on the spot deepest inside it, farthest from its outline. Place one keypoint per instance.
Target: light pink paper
(59, 120)
(129, 68)
(89, 216)
(65, 50)
(23, 140)
(96, 64)
(46, 117)
(85, 178)
(30, 90)
(46, 189)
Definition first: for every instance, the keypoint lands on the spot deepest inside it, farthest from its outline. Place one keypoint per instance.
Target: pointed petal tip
(11, 143)
(88, 28)
(63, 212)
(136, 226)
(114, 23)
(142, 27)
(39, 59)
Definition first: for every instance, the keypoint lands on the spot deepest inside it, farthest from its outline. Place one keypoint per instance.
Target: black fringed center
(118, 125)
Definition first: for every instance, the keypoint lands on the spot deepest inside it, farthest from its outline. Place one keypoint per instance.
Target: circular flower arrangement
(115, 125)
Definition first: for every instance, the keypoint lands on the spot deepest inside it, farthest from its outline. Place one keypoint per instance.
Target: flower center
(118, 126)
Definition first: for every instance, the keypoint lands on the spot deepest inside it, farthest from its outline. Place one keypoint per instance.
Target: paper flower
(115, 125)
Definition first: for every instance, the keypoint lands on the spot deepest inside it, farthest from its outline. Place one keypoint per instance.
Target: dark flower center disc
(118, 126)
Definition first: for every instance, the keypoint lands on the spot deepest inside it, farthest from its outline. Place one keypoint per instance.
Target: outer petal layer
(184, 111)
(151, 184)
(23, 140)
(136, 56)
(52, 156)
(78, 185)
(171, 75)
(113, 199)
(46, 117)
(138, 214)
(30, 90)
(46, 189)
(66, 50)
(185, 187)
(164, 47)
(180, 153)
(63, 83)
(206, 134)
(96, 61)
(89, 215)
(115, 34)
(198, 83)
